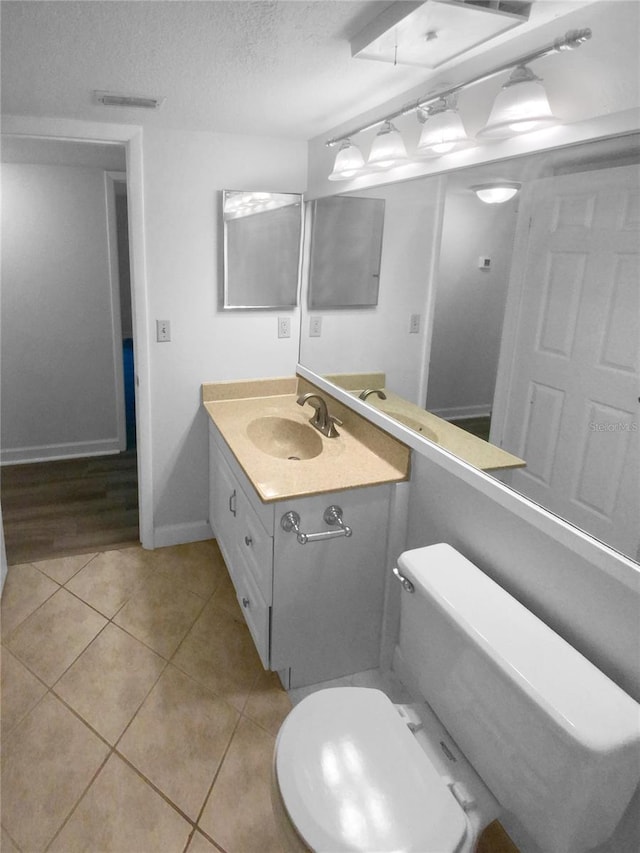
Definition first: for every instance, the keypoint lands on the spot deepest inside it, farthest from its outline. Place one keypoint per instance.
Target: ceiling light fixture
(522, 106)
(496, 192)
(443, 130)
(388, 149)
(349, 161)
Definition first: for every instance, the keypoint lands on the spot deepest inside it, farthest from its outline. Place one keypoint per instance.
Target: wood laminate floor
(55, 509)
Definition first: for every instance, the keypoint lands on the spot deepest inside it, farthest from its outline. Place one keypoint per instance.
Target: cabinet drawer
(256, 614)
(254, 546)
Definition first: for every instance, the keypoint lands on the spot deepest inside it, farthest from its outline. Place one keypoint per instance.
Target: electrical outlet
(414, 324)
(163, 331)
(315, 327)
(284, 327)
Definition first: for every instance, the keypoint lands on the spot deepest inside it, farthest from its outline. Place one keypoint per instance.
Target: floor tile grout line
(79, 716)
(91, 554)
(6, 639)
(216, 775)
(7, 732)
(116, 748)
(154, 787)
(12, 839)
(137, 711)
(78, 801)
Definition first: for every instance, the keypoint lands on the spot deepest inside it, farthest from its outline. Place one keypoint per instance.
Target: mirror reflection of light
(364, 814)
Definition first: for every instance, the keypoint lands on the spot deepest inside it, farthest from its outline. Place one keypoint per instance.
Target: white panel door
(572, 407)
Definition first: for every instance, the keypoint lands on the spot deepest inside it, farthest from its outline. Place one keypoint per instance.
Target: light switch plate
(163, 331)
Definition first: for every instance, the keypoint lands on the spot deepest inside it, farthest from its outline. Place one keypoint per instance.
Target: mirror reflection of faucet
(364, 394)
(321, 420)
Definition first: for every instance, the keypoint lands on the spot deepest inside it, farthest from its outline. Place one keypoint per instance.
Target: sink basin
(285, 438)
(412, 423)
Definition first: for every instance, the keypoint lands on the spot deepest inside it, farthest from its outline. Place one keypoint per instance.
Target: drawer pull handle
(290, 523)
(248, 541)
(245, 602)
(232, 503)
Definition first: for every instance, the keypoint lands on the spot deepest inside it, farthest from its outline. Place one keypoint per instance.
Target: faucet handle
(332, 432)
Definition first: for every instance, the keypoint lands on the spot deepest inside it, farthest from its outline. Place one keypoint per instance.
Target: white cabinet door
(328, 596)
(223, 505)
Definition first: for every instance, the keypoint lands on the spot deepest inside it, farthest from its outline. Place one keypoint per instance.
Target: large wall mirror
(517, 322)
(262, 249)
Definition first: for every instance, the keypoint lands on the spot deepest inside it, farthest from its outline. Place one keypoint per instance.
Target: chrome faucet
(321, 420)
(368, 391)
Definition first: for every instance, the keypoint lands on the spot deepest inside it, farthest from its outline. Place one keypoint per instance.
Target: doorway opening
(69, 478)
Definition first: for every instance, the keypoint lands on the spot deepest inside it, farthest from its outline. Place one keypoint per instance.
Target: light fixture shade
(497, 192)
(520, 106)
(388, 148)
(443, 132)
(348, 163)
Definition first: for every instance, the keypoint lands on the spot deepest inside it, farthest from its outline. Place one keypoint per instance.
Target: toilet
(508, 718)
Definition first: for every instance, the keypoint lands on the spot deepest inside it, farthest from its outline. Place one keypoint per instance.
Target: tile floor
(136, 716)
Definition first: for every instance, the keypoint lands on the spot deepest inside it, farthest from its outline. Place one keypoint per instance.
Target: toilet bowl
(507, 716)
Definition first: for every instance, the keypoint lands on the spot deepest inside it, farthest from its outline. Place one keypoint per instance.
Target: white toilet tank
(556, 741)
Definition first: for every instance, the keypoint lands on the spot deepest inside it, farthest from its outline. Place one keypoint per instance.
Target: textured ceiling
(268, 68)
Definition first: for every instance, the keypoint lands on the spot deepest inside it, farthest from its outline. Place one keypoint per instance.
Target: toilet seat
(353, 778)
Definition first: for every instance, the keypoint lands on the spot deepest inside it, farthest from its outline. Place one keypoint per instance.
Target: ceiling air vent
(111, 99)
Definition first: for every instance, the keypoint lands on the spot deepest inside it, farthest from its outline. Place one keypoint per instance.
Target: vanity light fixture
(521, 106)
(349, 161)
(443, 130)
(497, 192)
(388, 149)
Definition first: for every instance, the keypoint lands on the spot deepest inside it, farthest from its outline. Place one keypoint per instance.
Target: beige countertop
(362, 455)
(462, 444)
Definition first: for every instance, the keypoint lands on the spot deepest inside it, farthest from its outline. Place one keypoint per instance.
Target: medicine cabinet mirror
(262, 249)
(346, 245)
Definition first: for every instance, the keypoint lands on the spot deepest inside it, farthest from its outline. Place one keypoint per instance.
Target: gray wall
(470, 303)
(58, 369)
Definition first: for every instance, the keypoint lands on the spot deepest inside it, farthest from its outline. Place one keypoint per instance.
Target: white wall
(470, 303)
(378, 339)
(184, 174)
(58, 369)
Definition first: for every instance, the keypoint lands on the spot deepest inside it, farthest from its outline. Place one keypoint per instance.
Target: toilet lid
(353, 778)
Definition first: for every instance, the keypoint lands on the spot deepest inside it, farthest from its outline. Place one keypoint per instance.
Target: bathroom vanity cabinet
(314, 610)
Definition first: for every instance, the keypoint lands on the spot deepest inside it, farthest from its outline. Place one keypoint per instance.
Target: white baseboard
(180, 534)
(459, 412)
(51, 452)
